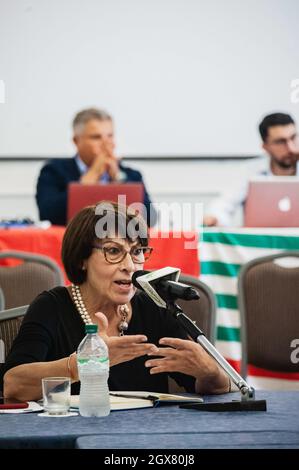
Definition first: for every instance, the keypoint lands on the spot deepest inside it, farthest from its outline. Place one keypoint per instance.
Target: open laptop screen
(272, 202)
(81, 195)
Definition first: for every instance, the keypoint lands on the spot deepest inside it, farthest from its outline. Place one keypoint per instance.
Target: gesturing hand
(189, 358)
(123, 348)
(182, 356)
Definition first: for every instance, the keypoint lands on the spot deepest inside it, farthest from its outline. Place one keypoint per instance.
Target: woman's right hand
(123, 348)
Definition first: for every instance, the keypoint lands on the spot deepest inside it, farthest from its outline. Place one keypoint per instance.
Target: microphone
(163, 288)
(159, 287)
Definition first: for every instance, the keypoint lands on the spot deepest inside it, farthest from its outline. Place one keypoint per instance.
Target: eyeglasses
(115, 253)
(282, 142)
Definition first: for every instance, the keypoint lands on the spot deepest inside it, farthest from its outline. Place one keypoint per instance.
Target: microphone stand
(248, 402)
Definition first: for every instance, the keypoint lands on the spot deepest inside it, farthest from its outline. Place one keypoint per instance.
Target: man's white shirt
(225, 207)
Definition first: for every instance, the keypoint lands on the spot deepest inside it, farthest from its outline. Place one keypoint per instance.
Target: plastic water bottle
(93, 366)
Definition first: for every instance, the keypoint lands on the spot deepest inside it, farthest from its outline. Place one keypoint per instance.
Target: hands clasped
(106, 161)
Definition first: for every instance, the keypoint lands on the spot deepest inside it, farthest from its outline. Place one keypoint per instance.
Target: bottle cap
(91, 329)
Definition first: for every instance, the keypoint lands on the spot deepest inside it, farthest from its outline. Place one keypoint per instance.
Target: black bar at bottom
(250, 405)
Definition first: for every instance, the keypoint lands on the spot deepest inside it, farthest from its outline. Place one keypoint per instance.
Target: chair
(202, 311)
(10, 322)
(2, 301)
(22, 283)
(268, 290)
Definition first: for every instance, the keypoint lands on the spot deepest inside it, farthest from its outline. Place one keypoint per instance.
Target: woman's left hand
(189, 358)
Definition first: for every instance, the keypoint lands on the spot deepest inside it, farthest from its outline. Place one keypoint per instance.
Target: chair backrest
(10, 322)
(202, 311)
(22, 283)
(2, 301)
(268, 290)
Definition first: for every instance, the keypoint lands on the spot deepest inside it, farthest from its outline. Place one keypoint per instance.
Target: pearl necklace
(78, 301)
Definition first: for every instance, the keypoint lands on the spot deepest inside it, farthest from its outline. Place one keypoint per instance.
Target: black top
(52, 329)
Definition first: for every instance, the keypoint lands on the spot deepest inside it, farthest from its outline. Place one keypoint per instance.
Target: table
(163, 428)
(222, 253)
(178, 249)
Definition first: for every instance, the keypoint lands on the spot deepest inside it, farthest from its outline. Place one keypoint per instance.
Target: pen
(148, 397)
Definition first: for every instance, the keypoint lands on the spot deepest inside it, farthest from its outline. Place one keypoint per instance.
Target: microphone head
(135, 276)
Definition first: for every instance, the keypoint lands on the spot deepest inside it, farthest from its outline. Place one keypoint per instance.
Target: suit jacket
(52, 184)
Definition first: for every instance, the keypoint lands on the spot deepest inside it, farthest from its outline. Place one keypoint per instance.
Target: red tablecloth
(170, 249)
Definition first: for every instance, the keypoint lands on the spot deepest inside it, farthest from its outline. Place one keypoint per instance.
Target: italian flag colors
(222, 252)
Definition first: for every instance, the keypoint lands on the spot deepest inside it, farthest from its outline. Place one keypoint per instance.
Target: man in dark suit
(95, 162)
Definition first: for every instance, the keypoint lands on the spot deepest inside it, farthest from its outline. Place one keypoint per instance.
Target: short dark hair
(80, 235)
(275, 119)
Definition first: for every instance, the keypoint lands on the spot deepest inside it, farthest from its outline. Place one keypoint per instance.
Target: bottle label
(101, 360)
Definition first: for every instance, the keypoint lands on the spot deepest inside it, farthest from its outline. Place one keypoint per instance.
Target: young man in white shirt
(281, 143)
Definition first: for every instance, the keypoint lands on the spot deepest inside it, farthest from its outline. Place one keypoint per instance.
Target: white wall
(179, 76)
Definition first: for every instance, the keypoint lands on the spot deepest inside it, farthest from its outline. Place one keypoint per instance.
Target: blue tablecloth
(163, 428)
(206, 440)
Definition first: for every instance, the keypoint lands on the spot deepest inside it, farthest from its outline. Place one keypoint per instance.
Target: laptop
(272, 202)
(82, 195)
